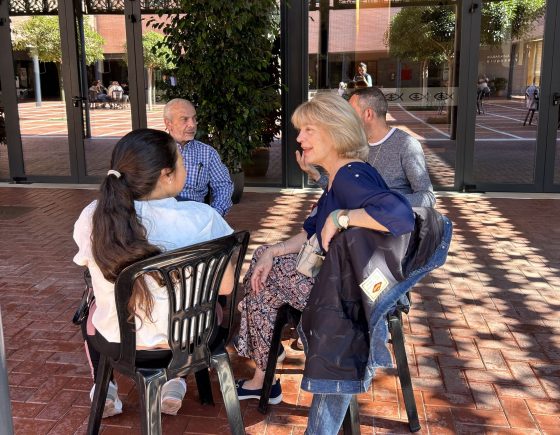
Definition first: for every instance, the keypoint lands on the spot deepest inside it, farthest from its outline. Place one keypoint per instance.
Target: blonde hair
(340, 121)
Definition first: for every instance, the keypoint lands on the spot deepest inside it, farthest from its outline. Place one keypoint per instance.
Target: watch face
(344, 220)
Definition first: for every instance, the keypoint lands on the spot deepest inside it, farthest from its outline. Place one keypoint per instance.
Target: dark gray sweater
(399, 158)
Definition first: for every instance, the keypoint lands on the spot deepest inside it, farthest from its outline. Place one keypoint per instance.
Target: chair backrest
(192, 276)
(92, 95)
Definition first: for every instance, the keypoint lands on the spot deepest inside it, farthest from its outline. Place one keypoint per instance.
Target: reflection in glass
(108, 107)
(509, 76)
(42, 113)
(409, 53)
(160, 75)
(4, 167)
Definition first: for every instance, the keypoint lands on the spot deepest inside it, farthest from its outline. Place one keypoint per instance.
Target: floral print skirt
(284, 285)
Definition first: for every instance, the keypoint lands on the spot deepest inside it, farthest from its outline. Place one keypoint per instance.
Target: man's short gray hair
(372, 98)
(168, 108)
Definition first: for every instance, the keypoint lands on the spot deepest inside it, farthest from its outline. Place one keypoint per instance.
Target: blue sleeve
(361, 186)
(310, 224)
(221, 186)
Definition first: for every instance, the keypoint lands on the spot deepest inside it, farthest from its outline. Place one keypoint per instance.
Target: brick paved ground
(482, 338)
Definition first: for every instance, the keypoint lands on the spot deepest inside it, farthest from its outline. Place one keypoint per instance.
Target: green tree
(427, 34)
(40, 35)
(223, 51)
(422, 34)
(157, 55)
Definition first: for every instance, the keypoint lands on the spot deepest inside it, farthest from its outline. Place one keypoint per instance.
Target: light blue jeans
(326, 414)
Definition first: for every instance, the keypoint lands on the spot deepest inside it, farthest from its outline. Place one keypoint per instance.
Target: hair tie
(113, 172)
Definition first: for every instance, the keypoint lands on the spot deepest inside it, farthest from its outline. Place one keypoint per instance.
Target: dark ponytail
(118, 236)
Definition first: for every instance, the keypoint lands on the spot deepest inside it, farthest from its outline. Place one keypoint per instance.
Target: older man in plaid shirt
(205, 171)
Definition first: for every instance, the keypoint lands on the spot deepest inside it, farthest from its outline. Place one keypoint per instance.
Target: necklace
(376, 154)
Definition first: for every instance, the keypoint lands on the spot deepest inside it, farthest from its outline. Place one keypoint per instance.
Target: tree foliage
(422, 33)
(223, 51)
(41, 33)
(428, 33)
(157, 55)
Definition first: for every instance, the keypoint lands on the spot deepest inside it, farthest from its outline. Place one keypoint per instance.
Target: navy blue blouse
(358, 185)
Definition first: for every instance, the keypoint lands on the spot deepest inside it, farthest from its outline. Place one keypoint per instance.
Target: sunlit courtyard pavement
(482, 338)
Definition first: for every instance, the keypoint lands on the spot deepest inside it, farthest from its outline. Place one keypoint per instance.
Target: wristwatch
(343, 219)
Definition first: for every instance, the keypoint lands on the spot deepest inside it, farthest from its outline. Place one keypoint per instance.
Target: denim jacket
(344, 331)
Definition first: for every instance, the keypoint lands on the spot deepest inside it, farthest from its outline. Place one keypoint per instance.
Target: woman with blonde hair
(331, 136)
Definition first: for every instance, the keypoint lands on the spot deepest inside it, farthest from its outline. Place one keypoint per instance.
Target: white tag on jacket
(374, 284)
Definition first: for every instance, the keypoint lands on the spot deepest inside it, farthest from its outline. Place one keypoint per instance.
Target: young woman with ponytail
(135, 217)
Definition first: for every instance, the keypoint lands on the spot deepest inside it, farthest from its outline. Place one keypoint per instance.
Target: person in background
(116, 92)
(397, 156)
(206, 174)
(531, 102)
(136, 216)
(482, 92)
(363, 75)
(100, 92)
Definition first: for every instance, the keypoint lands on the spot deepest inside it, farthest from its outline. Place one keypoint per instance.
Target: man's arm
(414, 166)
(221, 186)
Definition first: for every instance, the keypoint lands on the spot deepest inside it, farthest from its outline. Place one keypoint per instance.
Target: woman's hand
(328, 232)
(261, 270)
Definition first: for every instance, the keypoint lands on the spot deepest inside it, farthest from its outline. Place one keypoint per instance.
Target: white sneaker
(113, 404)
(172, 394)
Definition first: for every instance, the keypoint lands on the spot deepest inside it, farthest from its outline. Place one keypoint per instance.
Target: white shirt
(169, 225)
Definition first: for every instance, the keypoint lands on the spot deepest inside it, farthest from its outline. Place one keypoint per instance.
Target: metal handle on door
(556, 98)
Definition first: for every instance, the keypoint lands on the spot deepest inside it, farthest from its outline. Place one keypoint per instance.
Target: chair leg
(204, 387)
(229, 393)
(397, 338)
(281, 320)
(104, 372)
(149, 383)
(351, 423)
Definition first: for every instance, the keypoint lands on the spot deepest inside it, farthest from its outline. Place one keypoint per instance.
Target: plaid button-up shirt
(206, 173)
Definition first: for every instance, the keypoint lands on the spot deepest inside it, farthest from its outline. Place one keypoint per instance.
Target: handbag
(310, 258)
(85, 302)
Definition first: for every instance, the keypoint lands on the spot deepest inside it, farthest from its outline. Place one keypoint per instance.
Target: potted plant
(259, 158)
(223, 51)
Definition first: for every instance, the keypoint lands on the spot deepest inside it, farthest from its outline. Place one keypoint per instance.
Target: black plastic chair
(192, 276)
(94, 102)
(288, 314)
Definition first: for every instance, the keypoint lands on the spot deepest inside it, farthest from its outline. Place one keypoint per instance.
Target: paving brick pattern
(482, 337)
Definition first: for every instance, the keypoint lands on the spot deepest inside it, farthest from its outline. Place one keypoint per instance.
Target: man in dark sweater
(396, 155)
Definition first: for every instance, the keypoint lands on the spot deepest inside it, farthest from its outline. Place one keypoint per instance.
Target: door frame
(72, 75)
(551, 66)
(546, 136)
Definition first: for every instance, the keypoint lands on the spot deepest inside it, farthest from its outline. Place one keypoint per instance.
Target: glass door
(106, 110)
(514, 135)
(43, 122)
(410, 52)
